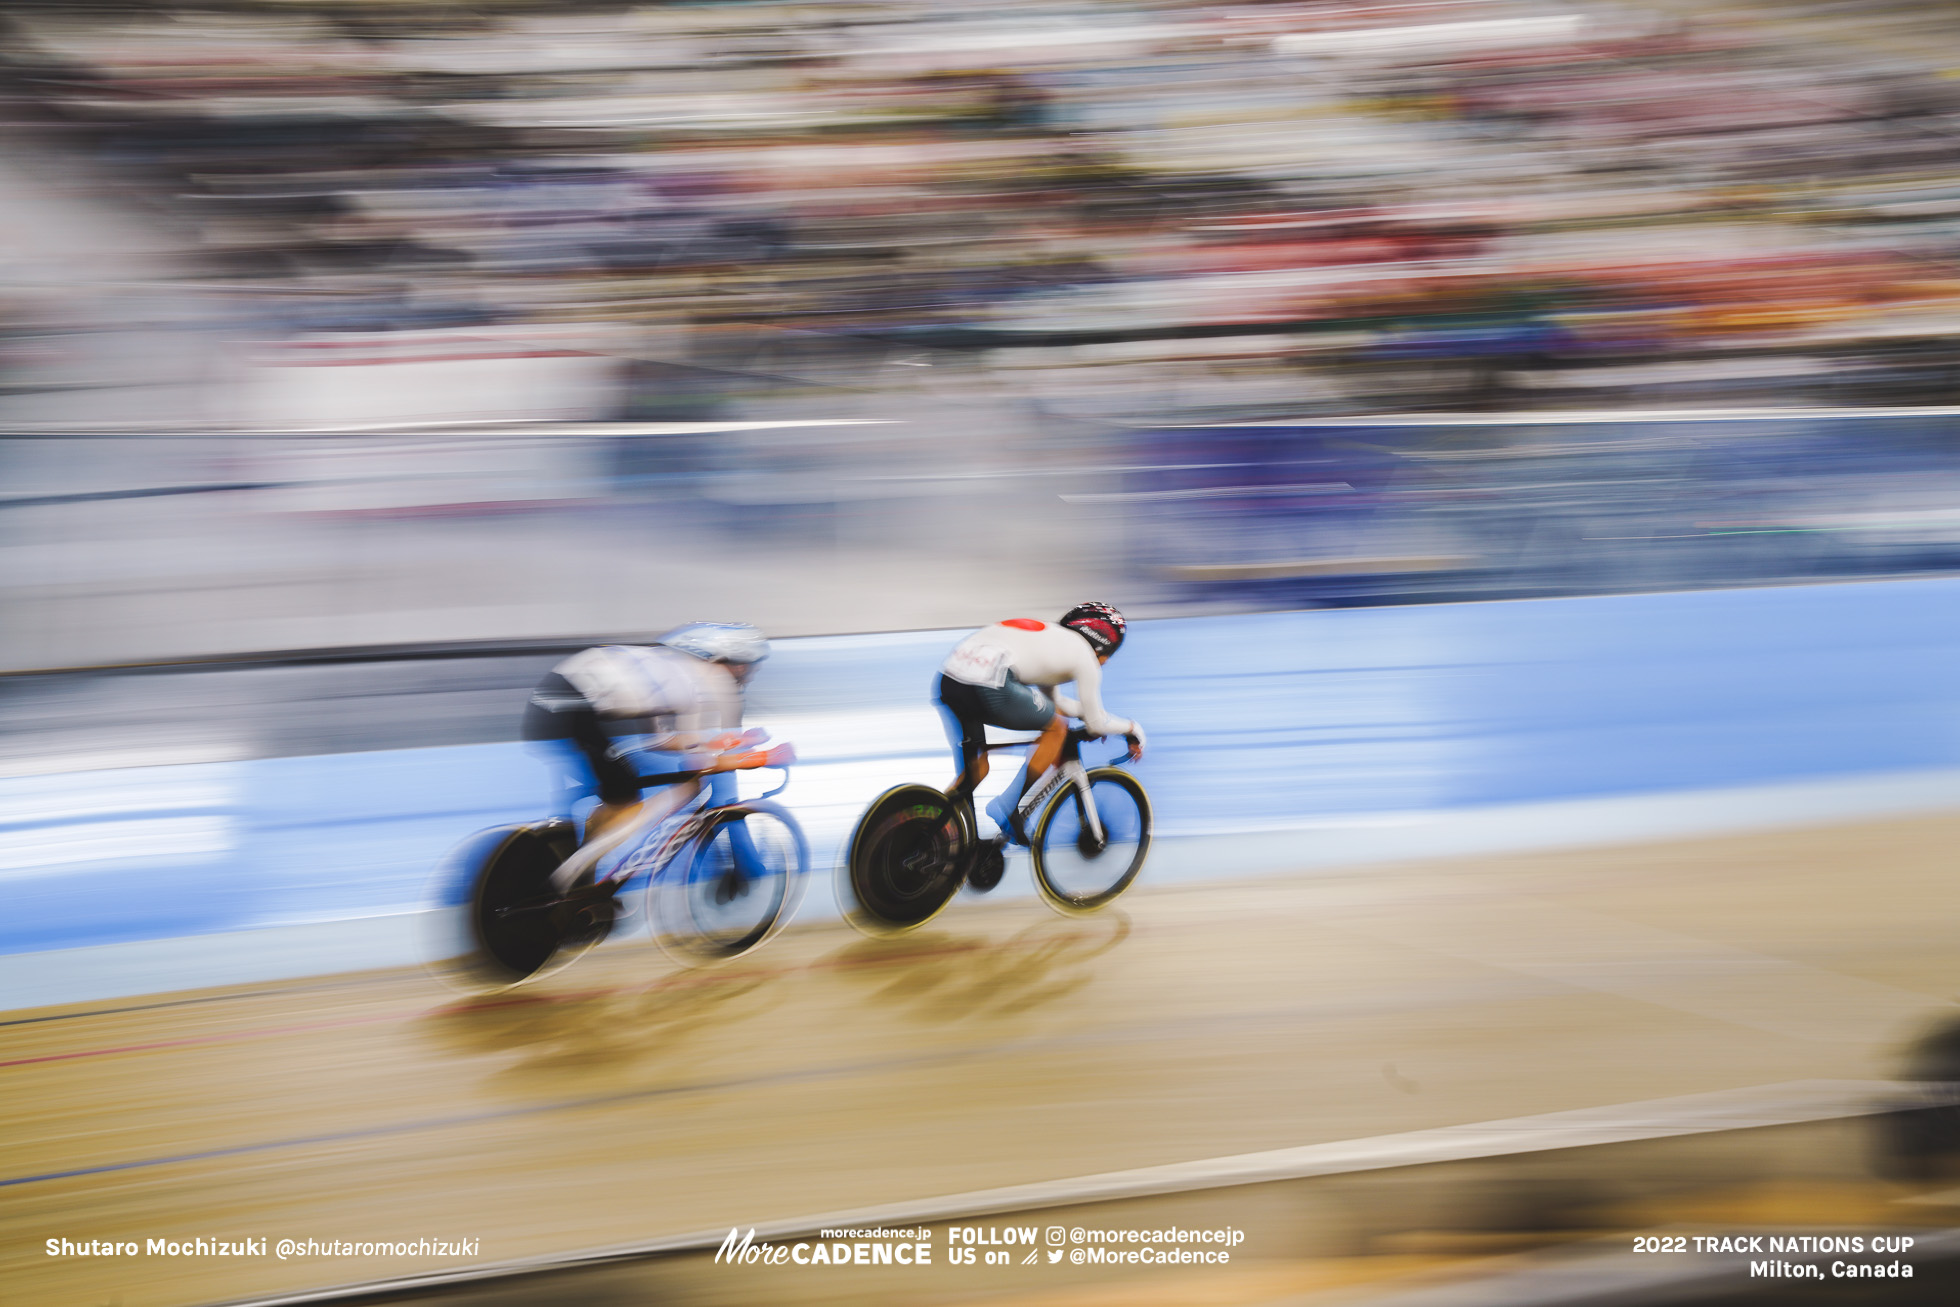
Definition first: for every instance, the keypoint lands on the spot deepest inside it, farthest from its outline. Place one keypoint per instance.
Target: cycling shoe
(1009, 821)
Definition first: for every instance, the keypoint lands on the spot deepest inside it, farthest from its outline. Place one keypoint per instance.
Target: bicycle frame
(1068, 770)
(654, 856)
(1053, 778)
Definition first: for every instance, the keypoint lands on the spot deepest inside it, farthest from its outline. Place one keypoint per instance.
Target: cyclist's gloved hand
(780, 756)
(1135, 737)
(745, 740)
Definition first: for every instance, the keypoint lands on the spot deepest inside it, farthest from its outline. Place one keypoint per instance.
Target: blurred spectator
(1511, 204)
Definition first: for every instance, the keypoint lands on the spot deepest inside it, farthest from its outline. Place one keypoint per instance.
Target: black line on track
(193, 1002)
(513, 1113)
(1148, 1030)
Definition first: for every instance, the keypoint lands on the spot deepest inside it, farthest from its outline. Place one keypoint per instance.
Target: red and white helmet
(1100, 624)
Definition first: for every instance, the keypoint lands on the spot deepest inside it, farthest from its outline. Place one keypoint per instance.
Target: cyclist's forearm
(716, 764)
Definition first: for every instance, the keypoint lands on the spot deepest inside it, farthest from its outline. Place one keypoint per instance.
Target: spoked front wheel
(733, 883)
(902, 864)
(1075, 870)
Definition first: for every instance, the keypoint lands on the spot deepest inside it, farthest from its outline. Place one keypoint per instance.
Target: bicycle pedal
(586, 923)
(988, 865)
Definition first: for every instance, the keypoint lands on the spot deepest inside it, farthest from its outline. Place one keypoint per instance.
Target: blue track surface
(1254, 722)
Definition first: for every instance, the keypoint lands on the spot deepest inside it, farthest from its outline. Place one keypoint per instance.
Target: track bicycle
(719, 880)
(915, 845)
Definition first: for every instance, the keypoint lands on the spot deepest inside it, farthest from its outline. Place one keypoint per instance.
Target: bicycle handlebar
(781, 755)
(1079, 735)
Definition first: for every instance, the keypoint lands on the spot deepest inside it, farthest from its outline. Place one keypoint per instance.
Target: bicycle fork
(1070, 772)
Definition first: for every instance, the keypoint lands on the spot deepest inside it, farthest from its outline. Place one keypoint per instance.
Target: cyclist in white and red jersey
(1006, 675)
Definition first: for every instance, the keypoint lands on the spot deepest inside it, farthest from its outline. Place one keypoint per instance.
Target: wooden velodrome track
(622, 1100)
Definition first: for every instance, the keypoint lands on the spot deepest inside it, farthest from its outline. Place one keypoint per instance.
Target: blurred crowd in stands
(1112, 208)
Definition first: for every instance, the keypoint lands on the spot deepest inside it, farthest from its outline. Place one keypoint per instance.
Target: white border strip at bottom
(1795, 1102)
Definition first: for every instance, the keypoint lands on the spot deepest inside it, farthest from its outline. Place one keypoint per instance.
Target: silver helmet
(736, 643)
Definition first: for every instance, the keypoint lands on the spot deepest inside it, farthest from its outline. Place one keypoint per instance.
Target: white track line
(1582, 417)
(1794, 1102)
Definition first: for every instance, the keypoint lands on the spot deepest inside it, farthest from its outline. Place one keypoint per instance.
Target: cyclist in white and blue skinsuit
(1006, 675)
(685, 690)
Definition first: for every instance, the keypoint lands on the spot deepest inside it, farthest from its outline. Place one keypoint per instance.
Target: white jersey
(677, 692)
(1040, 654)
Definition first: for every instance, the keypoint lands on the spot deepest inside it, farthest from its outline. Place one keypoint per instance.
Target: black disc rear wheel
(904, 858)
(513, 913)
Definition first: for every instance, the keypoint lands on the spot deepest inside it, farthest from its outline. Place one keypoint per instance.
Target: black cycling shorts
(558, 711)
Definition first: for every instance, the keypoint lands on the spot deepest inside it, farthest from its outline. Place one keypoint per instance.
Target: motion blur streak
(1209, 1022)
(797, 291)
(313, 213)
(361, 359)
(1378, 732)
